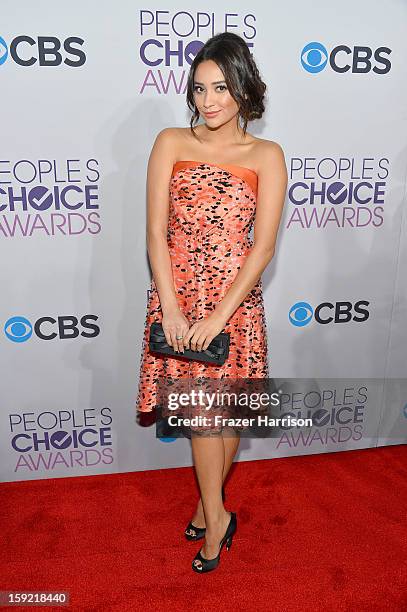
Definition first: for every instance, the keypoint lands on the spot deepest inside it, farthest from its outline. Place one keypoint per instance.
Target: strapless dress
(211, 212)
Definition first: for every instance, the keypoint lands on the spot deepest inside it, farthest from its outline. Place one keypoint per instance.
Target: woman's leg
(230, 446)
(209, 459)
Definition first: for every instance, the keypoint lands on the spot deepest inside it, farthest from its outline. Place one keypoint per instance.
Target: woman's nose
(208, 100)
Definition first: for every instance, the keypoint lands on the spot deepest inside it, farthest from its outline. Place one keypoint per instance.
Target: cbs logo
(302, 313)
(358, 60)
(44, 50)
(20, 329)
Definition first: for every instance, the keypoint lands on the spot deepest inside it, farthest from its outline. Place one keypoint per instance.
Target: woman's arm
(272, 186)
(159, 170)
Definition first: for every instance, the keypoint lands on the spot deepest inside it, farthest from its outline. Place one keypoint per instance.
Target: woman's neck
(225, 135)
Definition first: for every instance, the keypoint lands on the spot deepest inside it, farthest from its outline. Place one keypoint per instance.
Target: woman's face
(211, 95)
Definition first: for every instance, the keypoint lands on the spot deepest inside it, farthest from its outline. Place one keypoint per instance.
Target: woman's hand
(201, 333)
(175, 324)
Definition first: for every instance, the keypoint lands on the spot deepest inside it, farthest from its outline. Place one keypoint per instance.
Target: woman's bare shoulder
(175, 134)
(264, 146)
(169, 133)
(174, 137)
(269, 153)
(167, 144)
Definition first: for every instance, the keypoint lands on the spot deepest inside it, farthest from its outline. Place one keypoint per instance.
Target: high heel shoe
(206, 565)
(199, 531)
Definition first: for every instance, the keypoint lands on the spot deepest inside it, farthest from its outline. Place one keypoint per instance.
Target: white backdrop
(85, 89)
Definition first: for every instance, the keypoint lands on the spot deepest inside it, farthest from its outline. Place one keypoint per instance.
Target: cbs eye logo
(358, 60)
(302, 313)
(3, 51)
(19, 329)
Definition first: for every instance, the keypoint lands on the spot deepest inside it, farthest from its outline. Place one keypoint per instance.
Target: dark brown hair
(231, 53)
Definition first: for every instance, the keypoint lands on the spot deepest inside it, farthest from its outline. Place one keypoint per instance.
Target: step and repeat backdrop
(85, 88)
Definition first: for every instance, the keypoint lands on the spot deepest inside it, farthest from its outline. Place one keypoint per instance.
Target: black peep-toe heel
(206, 565)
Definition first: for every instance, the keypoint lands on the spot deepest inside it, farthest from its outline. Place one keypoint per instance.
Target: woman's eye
(198, 87)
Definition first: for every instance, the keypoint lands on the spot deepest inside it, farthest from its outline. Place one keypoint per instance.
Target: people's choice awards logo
(358, 59)
(302, 313)
(55, 439)
(43, 51)
(334, 191)
(337, 413)
(170, 40)
(51, 197)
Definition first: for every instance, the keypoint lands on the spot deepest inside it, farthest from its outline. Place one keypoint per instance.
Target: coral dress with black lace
(211, 212)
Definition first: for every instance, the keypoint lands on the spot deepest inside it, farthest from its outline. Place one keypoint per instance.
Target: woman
(206, 270)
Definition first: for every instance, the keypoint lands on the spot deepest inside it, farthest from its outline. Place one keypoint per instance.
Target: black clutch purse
(217, 351)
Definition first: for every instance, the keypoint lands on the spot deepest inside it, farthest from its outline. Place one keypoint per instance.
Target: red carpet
(315, 533)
